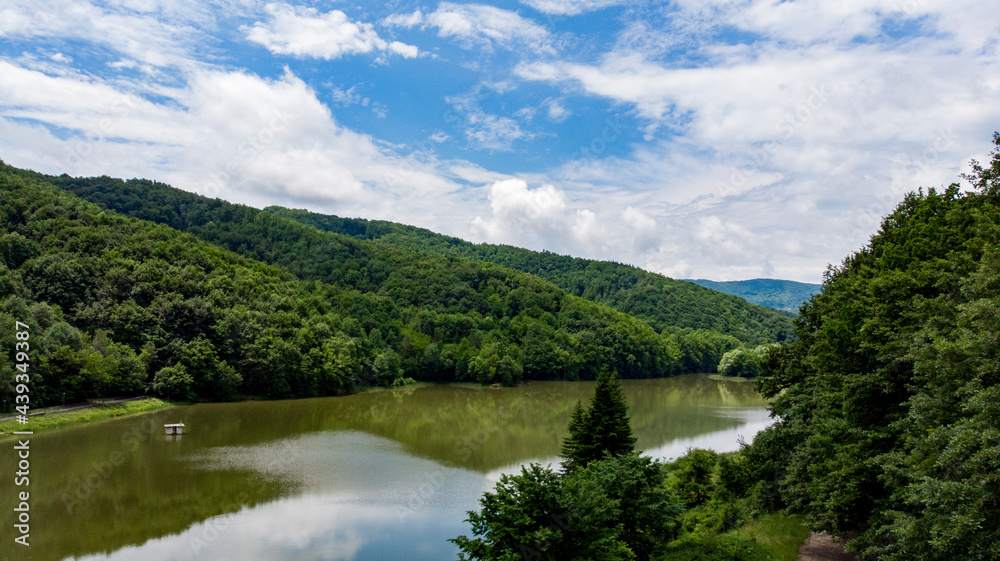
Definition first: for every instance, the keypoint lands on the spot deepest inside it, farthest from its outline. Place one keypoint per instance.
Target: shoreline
(50, 421)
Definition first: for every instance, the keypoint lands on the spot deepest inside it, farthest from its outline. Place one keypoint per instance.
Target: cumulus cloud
(546, 217)
(305, 32)
(534, 217)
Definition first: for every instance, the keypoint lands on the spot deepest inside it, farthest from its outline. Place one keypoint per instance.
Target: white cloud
(227, 134)
(485, 131)
(346, 97)
(479, 25)
(546, 217)
(571, 7)
(161, 36)
(305, 32)
(782, 155)
(557, 112)
(535, 217)
(404, 20)
(645, 234)
(406, 51)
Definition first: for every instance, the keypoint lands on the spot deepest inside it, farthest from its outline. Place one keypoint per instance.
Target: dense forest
(666, 304)
(888, 405)
(773, 293)
(248, 303)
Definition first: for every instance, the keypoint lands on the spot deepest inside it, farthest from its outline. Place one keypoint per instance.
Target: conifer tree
(571, 446)
(602, 430)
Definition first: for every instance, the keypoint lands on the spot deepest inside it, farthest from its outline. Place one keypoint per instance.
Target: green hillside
(246, 302)
(773, 293)
(664, 303)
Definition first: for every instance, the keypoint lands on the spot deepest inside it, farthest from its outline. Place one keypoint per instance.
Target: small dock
(177, 428)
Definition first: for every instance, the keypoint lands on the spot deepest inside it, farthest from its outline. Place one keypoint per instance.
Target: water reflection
(359, 497)
(380, 475)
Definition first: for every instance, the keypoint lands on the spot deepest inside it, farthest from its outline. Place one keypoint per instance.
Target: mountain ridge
(662, 302)
(774, 293)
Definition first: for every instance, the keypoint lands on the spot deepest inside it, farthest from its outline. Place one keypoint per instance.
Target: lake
(381, 475)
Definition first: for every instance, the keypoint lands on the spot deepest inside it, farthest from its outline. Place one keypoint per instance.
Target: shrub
(715, 548)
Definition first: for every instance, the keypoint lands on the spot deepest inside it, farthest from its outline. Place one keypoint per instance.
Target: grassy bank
(52, 421)
(781, 535)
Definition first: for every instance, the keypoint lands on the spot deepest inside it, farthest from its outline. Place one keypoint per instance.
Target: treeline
(120, 305)
(888, 406)
(664, 303)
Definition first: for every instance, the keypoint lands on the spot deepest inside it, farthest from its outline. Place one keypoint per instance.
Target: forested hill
(663, 302)
(773, 293)
(247, 302)
(888, 406)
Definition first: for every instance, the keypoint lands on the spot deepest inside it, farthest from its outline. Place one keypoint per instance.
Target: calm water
(376, 476)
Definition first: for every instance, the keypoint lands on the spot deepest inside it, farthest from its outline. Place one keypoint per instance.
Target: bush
(612, 509)
(173, 382)
(715, 548)
(741, 363)
(695, 474)
(735, 477)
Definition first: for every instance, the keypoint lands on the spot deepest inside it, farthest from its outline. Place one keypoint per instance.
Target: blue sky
(723, 140)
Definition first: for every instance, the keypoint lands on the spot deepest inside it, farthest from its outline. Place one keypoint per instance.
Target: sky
(711, 139)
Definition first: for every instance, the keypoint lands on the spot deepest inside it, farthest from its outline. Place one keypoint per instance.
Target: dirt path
(824, 547)
(77, 407)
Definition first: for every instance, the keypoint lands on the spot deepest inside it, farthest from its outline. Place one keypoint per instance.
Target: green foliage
(571, 447)
(778, 294)
(649, 511)
(888, 403)
(613, 509)
(112, 301)
(173, 382)
(602, 430)
(666, 304)
(735, 475)
(696, 476)
(740, 363)
(533, 515)
(744, 363)
(716, 548)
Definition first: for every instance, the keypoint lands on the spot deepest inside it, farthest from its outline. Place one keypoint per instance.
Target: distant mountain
(773, 293)
(666, 304)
